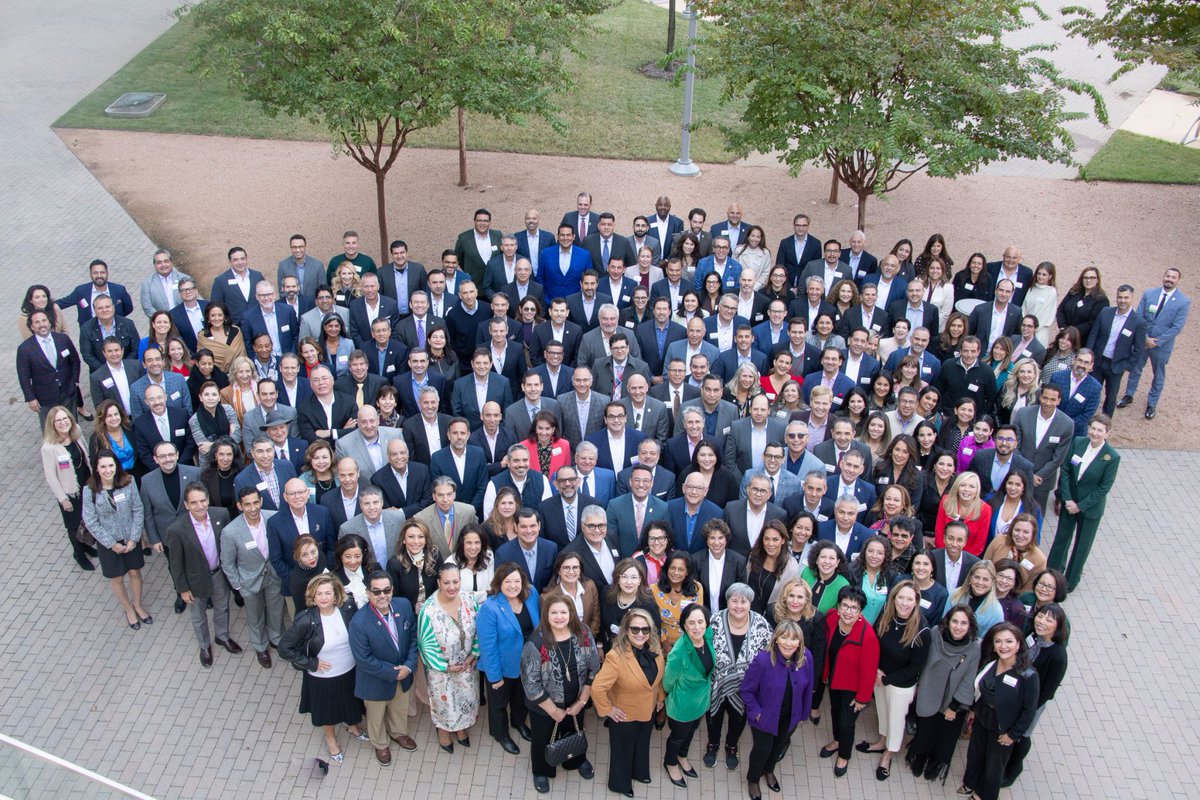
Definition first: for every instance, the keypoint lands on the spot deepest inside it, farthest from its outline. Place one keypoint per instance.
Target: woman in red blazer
(547, 450)
(964, 503)
(851, 661)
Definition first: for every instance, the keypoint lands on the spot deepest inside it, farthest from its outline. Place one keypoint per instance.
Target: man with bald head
(406, 484)
(299, 516)
(344, 504)
(733, 226)
(533, 240)
(1010, 267)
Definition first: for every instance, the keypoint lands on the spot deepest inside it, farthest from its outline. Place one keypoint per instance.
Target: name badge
(968, 286)
(713, 335)
(837, 401)
(1020, 285)
(83, 303)
(1026, 354)
(822, 518)
(1028, 609)
(179, 431)
(1029, 640)
(725, 432)
(1026, 563)
(390, 368)
(251, 545)
(614, 628)
(1055, 439)
(633, 461)
(881, 590)
(1076, 459)
(174, 395)
(1080, 305)
(557, 451)
(64, 462)
(232, 281)
(1009, 680)
(65, 352)
(926, 370)
(860, 273)
(875, 327)
(261, 486)
(829, 468)
(624, 298)
(885, 480)
(854, 557)
(285, 328)
(926, 604)
(972, 387)
(1078, 398)
(968, 451)
(343, 359)
(119, 497)
(107, 383)
(1126, 332)
(865, 379)
(312, 492)
(339, 296)
(862, 507)
(629, 324)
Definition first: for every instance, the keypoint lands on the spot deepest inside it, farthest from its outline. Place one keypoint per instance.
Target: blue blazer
(303, 391)
(406, 400)
(710, 326)
(678, 349)
(841, 385)
(376, 655)
(623, 523)
(722, 228)
(550, 276)
(677, 516)
(545, 240)
(727, 363)
(1166, 324)
(762, 337)
(286, 326)
(282, 535)
(603, 485)
(465, 404)
(866, 372)
(565, 376)
(81, 298)
(827, 532)
(627, 287)
(1131, 342)
(184, 325)
(499, 633)
(864, 492)
(604, 458)
(674, 226)
(394, 358)
(472, 488)
(248, 477)
(547, 551)
(1079, 406)
(930, 366)
(729, 281)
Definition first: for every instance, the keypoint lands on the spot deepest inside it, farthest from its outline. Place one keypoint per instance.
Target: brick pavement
(136, 706)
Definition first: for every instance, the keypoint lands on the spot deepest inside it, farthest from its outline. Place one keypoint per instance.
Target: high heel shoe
(449, 748)
(689, 772)
(680, 782)
(465, 741)
(772, 782)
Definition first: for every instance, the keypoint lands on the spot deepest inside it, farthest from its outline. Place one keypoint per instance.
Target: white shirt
(883, 292)
(1089, 455)
(348, 506)
(433, 434)
(853, 365)
(842, 540)
(716, 570)
(724, 336)
(604, 558)
(272, 329)
(953, 568)
(372, 311)
(754, 523)
(480, 393)
(616, 447)
(460, 463)
(120, 380)
(483, 245)
(1114, 333)
(564, 260)
(301, 521)
(999, 316)
(328, 409)
(746, 306)
(242, 282)
(195, 317)
(1041, 425)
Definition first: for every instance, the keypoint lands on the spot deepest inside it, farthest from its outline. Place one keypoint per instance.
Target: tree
(376, 71)
(883, 89)
(1165, 32)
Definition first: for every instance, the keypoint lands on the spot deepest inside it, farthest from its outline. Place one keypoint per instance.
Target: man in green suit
(1083, 486)
(476, 246)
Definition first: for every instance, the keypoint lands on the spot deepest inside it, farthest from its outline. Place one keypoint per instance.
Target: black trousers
(818, 694)
(679, 740)
(765, 753)
(541, 727)
(844, 718)
(932, 749)
(72, 520)
(737, 724)
(986, 760)
(505, 707)
(630, 743)
(1111, 380)
(1016, 764)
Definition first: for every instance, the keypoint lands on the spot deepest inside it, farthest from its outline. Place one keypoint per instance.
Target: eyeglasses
(616, 416)
(569, 568)
(658, 539)
(595, 526)
(1006, 438)
(796, 435)
(381, 592)
(639, 630)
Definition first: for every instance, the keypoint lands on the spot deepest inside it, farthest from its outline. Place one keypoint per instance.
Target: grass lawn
(1142, 159)
(1175, 81)
(614, 111)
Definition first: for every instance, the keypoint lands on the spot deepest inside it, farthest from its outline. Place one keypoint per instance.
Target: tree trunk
(862, 209)
(462, 147)
(833, 187)
(381, 206)
(670, 27)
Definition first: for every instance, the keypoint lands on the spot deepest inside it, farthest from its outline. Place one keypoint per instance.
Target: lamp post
(685, 167)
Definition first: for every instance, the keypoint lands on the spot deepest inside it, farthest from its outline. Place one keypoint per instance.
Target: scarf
(213, 425)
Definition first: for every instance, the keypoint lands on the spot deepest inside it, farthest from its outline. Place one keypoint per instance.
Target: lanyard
(388, 626)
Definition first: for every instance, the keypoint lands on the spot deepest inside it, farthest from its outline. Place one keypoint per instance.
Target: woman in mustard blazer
(1083, 486)
(629, 692)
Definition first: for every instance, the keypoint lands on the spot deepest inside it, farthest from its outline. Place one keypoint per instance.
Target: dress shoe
(827, 752)
(710, 755)
(85, 563)
(405, 741)
(1125, 401)
(1150, 412)
(230, 645)
(838, 772)
(525, 732)
(680, 782)
(753, 790)
(383, 755)
(586, 771)
(691, 773)
(206, 657)
(449, 748)
(772, 782)
(865, 747)
(135, 625)
(179, 604)
(509, 746)
(465, 741)
(882, 773)
(147, 620)
(264, 659)
(238, 601)
(542, 784)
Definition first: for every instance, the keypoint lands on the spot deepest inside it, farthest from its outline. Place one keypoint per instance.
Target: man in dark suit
(604, 244)
(811, 304)
(1117, 341)
(662, 483)
(419, 430)
(561, 267)
(463, 463)
(235, 287)
(663, 225)
(533, 240)
(266, 472)
(1011, 269)
(557, 328)
(655, 335)
(298, 516)
(1080, 391)
(846, 480)
(275, 319)
(83, 297)
(276, 425)
(615, 434)
(742, 352)
(754, 510)
(47, 368)
(556, 379)
(733, 227)
(918, 344)
(643, 238)
(812, 499)
(833, 451)
(406, 484)
(675, 390)
(103, 325)
(409, 384)
(861, 262)
(859, 365)
(357, 383)
(400, 278)
(482, 384)
(717, 556)
(326, 414)
(951, 563)
(866, 315)
(189, 314)
(523, 286)
(474, 242)
(561, 512)
(986, 316)
(368, 308)
(597, 549)
(501, 268)
(966, 376)
(677, 456)
(508, 357)
(413, 329)
(912, 307)
(994, 464)
(691, 513)
(530, 551)
(797, 250)
(113, 379)
(695, 226)
(385, 355)
(831, 373)
(672, 285)
(161, 423)
(195, 563)
(582, 221)
(844, 530)
(349, 479)
(492, 438)
(614, 286)
(293, 390)
(464, 319)
(308, 271)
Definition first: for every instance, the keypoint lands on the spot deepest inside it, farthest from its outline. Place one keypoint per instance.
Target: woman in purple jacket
(777, 691)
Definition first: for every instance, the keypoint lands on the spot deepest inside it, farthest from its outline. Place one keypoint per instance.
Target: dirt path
(200, 195)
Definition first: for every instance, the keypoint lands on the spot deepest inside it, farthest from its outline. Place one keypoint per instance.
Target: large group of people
(672, 477)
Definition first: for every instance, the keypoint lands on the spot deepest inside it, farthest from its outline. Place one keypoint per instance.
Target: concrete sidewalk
(1169, 116)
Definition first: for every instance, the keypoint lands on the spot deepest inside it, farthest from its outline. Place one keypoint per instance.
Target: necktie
(774, 487)
(569, 514)
(449, 528)
(639, 515)
(420, 333)
(358, 396)
(534, 412)
(163, 429)
(582, 227)
(587, 486)
(1162, 301)
(604, 252)
(617, 383)
(48, 349)
(675, 403)
(280, 454)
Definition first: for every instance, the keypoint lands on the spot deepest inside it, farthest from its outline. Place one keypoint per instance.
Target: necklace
(224, 475)
(324, 486)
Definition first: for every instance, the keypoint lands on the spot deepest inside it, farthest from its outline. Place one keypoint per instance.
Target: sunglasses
(381, 592)
(639, 630)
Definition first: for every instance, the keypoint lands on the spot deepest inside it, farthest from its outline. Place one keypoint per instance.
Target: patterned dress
(670, 607)
(443, 642)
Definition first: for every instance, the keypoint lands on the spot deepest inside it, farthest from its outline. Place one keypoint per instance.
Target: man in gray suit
(368, 444)
(594, 344)
(719, 415)
(310, 323)
(784, 483)
(644, 413)
(581, 406)
(748, 438)
(1046, 434)
(518, 417)
(160, 291)
(299, 265)
(245, 560)
(611, 372)
(624, 511)
(378, 525)
(268, 402)
(829, 269)
(162, 497)
(446, 516)
(641, 238)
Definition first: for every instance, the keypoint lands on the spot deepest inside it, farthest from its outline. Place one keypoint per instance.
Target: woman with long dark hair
(112, 512)
(1082, 305)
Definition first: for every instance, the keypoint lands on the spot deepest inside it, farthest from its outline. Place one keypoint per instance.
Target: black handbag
(566, 748)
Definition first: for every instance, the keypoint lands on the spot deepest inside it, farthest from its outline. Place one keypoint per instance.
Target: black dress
(1080, 311)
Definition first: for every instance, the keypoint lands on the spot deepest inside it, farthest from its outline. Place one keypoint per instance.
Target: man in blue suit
(560, 268)
(689, 513)
(918, 342)
(846, 481)
(85, 294)
(1165, 311)
(596, 482)
(464, 401)
(530, 551)
(843, 530)
(236, 287)
(383, 639)
(265, 472)
(830, 375)
(273, 318)
(298, 515)
(383, 306)
(472, 481)
(623, 511)
(1080, 391)
(614, 431)
(721, 263)
(859, 365)
(733, 227)
(655, 335)
(189, 313)
(1117, 340)
(772, 330)
(796, 251)
(720, 328)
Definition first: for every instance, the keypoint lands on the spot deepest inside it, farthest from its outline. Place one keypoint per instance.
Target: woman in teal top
(687, 680)
(826, 573)
(871, 573)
